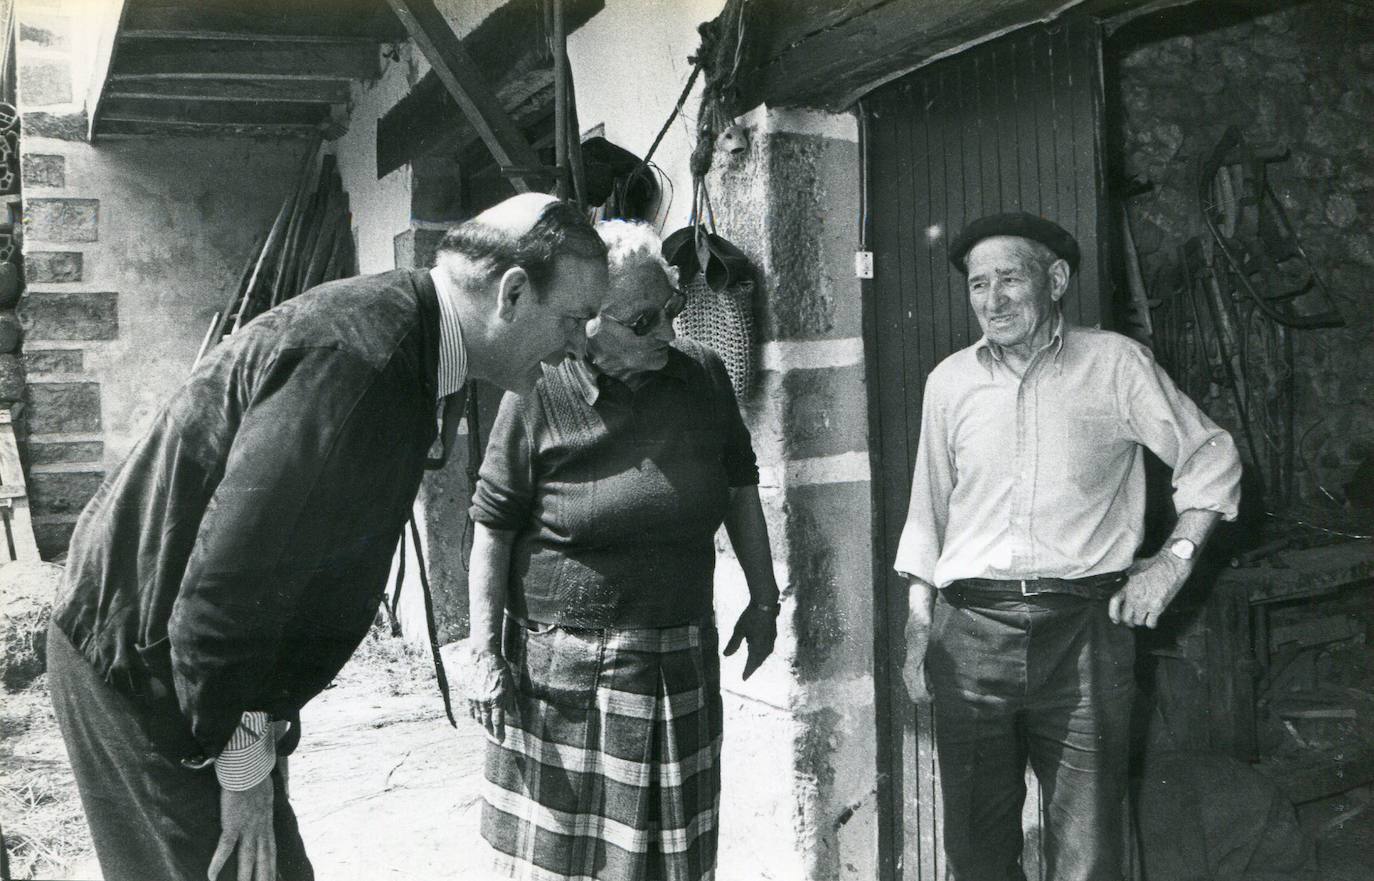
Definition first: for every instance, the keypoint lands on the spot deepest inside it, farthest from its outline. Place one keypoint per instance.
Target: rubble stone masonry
(1302, 79)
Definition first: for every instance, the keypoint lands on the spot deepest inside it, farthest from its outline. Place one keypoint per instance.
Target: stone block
(1312, 167)
(1359, 249)
(69, 315)
(824, 411)
(11, 285)
(45, 82)
(1365, 55)
(830, 562)
(62, 220)
(44, 32)
(1341, 210)
(1331, 132)
(11, 378)
(1275, 46)
(415, 248)
(10, 332)
(1355, 181)
(63, 407)
(52, 267)
(64, 492)
(80, 452)
(58, 126)
(53, 361)
(53, 538)
(43, 170)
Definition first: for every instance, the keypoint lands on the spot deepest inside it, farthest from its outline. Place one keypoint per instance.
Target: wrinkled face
(547, 332)
(641, 297)
(1013, 287)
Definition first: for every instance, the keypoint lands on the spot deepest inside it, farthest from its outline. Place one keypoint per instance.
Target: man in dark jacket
(221, 577)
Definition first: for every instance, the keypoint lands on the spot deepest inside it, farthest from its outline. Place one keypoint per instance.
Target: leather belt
(1093, 587)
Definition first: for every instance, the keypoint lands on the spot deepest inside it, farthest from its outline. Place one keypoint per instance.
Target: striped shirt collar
(453, 354)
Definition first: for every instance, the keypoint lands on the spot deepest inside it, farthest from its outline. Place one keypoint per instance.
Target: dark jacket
(237, 557)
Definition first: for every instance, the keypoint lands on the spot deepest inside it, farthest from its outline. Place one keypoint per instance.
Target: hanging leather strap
(393, 607)
(430, 625)
(474, 467)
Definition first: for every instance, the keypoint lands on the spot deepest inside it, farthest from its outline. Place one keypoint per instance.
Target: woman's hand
(760, 630)
(485, 680)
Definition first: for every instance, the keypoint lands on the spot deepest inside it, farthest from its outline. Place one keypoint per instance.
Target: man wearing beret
(1027, 509)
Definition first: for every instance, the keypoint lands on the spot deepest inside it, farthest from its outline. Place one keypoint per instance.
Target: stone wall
(1302, 78)
(129, 247)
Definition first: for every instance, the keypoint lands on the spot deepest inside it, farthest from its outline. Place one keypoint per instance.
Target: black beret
(1016, 223)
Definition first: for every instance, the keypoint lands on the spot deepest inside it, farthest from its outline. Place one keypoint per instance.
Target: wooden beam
(469, 88)
(140, 128)
(238, 59)
(408, 132)
(843, 50)
(828, 53)
(106, 52)
(504, 45)
(255, 36)
(215, 112)
(296, 90)
(359, 19)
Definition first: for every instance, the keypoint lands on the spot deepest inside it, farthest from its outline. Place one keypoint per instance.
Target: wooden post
(560, 100)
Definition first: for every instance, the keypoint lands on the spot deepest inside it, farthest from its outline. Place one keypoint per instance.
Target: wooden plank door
(1014, 124)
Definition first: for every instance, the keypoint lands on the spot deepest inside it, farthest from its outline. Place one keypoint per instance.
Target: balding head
(531, 231)
(518, 214)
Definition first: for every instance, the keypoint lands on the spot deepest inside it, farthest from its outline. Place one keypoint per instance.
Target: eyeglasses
(645, 322)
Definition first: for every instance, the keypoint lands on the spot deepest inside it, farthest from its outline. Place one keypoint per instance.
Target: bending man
(224, 573)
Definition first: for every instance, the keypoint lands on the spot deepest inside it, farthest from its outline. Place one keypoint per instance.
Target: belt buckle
(1026, 592)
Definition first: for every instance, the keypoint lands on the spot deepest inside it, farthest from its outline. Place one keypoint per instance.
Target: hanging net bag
(718, 282)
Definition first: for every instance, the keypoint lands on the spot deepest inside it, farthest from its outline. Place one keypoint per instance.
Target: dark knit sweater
(616, 503)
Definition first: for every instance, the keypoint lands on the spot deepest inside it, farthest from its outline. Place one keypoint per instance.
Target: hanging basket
(723, 321)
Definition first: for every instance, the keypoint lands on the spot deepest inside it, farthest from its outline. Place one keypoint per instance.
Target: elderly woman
(594, 551)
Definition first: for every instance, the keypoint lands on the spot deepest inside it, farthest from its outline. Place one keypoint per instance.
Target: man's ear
(514, 284)
(1059, 279)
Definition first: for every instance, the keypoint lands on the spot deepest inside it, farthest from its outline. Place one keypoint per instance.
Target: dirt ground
(384, 788)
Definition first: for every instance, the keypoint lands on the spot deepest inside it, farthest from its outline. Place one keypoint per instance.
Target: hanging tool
(1256, 240)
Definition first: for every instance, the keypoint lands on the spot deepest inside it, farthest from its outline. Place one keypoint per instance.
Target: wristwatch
(1183, 548)
(771, 608)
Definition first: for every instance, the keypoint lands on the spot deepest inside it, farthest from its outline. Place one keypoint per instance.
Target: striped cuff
(250, 755)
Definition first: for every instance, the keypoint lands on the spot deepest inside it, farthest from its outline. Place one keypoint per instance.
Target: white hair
(632, 244)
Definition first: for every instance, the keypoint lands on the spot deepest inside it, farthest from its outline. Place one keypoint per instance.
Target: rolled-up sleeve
(504, 493)
(1206, 467)
(932, 483)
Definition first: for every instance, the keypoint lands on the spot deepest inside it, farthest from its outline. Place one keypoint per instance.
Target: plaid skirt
(610, 768)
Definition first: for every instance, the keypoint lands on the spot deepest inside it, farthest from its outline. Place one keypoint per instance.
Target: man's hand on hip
(245, 820)
(1151, 585)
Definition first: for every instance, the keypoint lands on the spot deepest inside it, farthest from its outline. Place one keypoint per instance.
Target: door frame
(911, 851)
